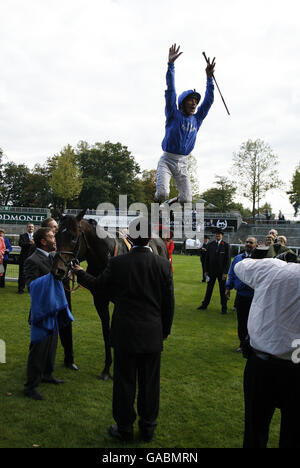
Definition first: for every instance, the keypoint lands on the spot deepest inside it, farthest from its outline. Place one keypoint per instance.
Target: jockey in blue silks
(182, 125)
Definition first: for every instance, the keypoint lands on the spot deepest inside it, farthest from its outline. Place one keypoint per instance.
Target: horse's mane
(92, 222)
(106, 234)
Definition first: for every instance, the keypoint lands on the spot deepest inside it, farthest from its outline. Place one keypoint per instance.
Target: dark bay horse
(77, 239)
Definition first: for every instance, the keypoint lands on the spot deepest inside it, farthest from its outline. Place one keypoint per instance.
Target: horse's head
(68, 233)
(62, 265)
(69, 245)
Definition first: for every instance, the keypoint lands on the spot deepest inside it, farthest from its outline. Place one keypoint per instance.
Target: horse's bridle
(69, 264)
(73, 255)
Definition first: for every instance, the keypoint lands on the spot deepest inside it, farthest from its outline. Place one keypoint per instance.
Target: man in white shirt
(272, 372)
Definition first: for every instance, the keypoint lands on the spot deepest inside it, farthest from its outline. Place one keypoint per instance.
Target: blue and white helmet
(187, 93)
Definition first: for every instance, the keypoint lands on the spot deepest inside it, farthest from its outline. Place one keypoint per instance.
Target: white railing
(12, 271)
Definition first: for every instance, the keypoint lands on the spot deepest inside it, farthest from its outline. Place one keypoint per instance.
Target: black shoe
(71, 366)
(201, 307)
(122, 436)
(146, 436)
(34, 394)
(52, 380)
(146, 431)
(224, 312)
(20, 291)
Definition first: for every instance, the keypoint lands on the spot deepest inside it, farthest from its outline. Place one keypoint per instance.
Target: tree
(37, 192)
(14, 179)
(294, 192)
(222, 195)
(148, 187)
(244, 211)
(108, 170)
(66, 180)
(192, 168)
(255, 169)
(1, 176)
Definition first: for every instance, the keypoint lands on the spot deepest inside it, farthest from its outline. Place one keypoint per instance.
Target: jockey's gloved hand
(76, 267)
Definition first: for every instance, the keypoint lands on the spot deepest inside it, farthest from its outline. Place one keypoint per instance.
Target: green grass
(201, 401)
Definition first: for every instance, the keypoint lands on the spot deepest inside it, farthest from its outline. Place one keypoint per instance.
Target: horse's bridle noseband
(69, 264)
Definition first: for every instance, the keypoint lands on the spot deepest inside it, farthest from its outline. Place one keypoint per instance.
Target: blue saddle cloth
(49, 307)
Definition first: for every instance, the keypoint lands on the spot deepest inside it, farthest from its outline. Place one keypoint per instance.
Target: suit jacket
(141, 286)
(204, 251)
(25, 244)
(36, 265)
(217, 260)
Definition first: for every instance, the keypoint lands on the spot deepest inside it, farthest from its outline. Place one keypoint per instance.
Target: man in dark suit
(141, 286)
(41, 358)
(203, 251)
(217, 264)
(25, 242)
(244, 294)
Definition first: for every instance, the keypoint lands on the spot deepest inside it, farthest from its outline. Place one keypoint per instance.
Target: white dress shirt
(43, 251)
(274, 317)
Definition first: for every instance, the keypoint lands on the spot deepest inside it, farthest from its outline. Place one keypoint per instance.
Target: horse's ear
(59, 214)
(81, 215)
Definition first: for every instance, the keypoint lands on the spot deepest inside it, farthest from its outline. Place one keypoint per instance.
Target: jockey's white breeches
(173, 165)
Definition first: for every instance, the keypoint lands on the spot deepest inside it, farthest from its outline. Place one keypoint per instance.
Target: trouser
(173, 165)
(202, 260)
(210, 288)
(242, 304)
(2, 278)
(41, 360)
(145, 369)
(270, 384)
(65, 333)
(21, 278)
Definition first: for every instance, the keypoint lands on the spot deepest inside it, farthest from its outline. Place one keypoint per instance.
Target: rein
(73, 254)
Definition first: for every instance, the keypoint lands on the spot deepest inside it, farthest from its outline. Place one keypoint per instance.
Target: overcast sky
(94, 70)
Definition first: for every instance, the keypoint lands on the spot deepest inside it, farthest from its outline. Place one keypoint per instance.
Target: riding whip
(217, 85)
